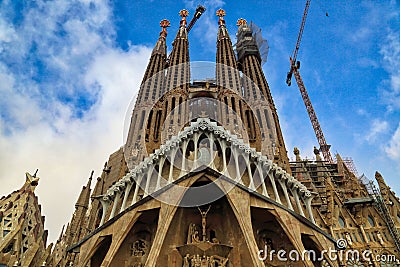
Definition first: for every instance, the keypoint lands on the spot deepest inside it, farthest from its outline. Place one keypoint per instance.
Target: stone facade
(22, 235)
(204, 179)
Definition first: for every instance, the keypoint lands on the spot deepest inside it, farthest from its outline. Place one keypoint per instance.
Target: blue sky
(68, 70)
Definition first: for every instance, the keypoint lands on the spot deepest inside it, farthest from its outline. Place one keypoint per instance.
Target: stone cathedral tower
(204, 179)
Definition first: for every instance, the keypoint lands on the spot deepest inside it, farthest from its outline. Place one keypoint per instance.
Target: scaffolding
(350, 165)
(383, 209)
(261, 42)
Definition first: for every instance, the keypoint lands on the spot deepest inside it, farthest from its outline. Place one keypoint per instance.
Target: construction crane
(294, 70)
(199, 11)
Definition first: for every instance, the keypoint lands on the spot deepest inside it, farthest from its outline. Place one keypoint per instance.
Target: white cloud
(15, 104)
(361, 34)
(365, 62)
(7, 32)
(390, 52)
(67, 149)
(377, 127)
(39, 125)
(377, 14)
(393, 148)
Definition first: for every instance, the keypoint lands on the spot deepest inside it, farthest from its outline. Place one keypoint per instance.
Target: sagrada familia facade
(204, 180)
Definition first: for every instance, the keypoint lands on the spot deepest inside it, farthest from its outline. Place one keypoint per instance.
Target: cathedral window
(361, 237)
(180, 104)
(259, 118)
(166, 109)
(233, 104)
(373, 236)
(149, 121)
(138, 248)
(371, 221)
(368, 236)
(385, 235)
(241, 110)
(6, 222)
(201, 105)
(5, 232)
(9, 249)
(355, 237)
(158, 119)
(173, 106)
(341, 222)
(267, 119)
(142, 120)
(383, 263)
(354, 263)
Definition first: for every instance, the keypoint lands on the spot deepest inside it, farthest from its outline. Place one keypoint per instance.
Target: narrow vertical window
(142, 119)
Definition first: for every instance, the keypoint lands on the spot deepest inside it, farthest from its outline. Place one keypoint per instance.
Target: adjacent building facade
(22, 235)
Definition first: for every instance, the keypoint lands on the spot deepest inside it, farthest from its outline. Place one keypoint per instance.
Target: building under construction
(204, 180)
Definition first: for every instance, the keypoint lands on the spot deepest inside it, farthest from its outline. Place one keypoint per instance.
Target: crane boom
(323, 146)
(294, 69)
(199, 11)
(303, 23)
(296, 50)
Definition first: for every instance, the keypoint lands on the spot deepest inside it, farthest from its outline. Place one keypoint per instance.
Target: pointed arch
(101, 251)
(135, 247)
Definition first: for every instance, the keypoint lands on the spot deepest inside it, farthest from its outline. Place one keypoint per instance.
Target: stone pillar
(251, 179)
(297, 199)
(195, 152)
(272, 179)
(114, 208)
(105, 203)
(223, 148)
(148, 178)
(137, 186)
(236, 157)
(307, 202)
(183, 163)
(159, 174)
(171, 166)
(127, 191)
(285, 192)
(262, 178)
(211, 141)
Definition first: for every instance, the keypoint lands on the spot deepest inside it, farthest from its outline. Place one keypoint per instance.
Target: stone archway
(104, 245)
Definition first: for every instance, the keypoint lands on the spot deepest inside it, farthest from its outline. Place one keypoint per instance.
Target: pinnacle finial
(378, 176)
(296, 152)
(32, 180)
(317, 155)
(241, 21)
(221, 14)
(164, 25)
(183, 13)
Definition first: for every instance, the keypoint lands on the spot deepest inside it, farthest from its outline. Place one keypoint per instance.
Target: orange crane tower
(294, 69)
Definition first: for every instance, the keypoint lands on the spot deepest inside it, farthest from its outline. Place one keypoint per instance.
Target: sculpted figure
(186, 261)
